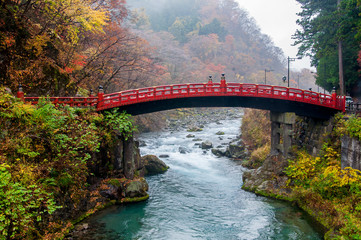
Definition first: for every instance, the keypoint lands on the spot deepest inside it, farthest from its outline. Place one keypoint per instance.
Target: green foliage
(21, 206)
(353, 127)
(323, 25)
(47, 150)
(120, 122)
(350, 126)
(214, 27)
(182, 26)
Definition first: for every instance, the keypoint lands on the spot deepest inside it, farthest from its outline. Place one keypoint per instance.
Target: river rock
(220, 133)
(164, 156)
(190, 136)
(153, 165)
(195, 129)
(236, 151)
(136, 188)
(196, 140)
(183, 150)
(206, 145)
(219, 152)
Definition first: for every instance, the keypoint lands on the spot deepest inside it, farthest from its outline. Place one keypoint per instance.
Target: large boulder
(206, 145)
(124, 190)
(236, 150)
(219, 152)
(153, 165)
(136, 188)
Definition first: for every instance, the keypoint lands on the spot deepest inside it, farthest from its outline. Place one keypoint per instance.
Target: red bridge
(153, 99)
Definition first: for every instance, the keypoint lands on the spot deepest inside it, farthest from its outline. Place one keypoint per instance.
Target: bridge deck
(216, 94)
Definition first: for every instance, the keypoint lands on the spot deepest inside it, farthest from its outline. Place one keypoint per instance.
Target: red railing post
(100, 102)
(20, 93)
(223, 84)
(334, 97)
(209, 84)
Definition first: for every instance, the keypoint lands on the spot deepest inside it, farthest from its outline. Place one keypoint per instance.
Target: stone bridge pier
(281, 132)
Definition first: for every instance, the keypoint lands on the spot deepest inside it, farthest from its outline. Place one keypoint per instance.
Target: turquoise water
(200, 197)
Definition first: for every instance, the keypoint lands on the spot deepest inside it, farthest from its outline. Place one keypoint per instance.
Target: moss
(135, 199)
(114, 182)
(92, 211)
(164, 169)
(195, 130)
(275, 195)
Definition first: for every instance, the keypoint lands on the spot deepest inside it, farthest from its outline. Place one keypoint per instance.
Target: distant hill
(194, 39)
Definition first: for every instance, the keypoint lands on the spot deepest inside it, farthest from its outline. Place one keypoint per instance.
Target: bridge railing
(106, 101)
(69, 101)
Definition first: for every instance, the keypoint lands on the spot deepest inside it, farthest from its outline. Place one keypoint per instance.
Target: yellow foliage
(342, 177)
(76, 15)
(37, 43)
(304, 167)
(331, 156)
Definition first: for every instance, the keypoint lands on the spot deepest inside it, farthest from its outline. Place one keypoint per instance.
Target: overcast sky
(277, 18)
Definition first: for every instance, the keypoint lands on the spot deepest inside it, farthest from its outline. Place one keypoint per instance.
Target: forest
(61, 48)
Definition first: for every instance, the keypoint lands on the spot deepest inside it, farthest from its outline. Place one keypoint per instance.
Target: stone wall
(350, 152)
(309, 133)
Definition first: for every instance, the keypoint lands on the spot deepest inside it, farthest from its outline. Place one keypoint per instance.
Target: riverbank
(316, 183)
(60, 165)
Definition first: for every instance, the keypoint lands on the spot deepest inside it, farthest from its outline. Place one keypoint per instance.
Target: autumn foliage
(328, 192)
(44, 162)
(58, 47)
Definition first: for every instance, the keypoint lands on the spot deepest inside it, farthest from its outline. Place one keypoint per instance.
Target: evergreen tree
(323, 24)
(214, 27)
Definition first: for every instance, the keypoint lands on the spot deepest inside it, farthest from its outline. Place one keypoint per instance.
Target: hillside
(197, 39)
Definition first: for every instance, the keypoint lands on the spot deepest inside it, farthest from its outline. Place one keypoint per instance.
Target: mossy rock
(153, 165)
(195, 129)
(136, 188)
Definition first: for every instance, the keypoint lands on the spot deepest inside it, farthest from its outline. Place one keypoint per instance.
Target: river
(200, 197)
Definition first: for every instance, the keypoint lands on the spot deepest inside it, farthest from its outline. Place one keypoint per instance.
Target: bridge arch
(273, 98)
(153, 99)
